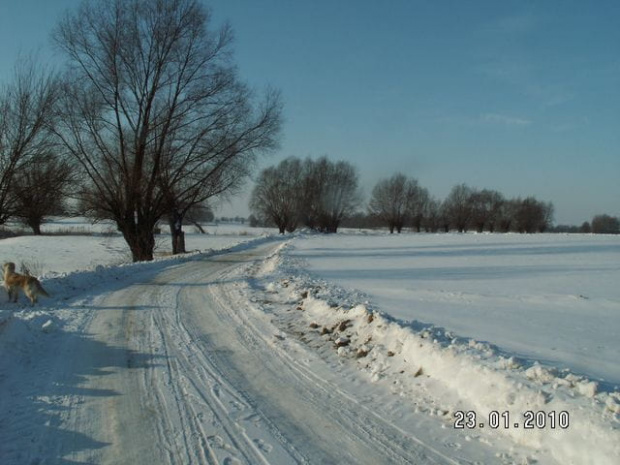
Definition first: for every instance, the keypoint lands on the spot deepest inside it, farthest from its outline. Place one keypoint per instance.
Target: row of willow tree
(146, 120)
(323, 194)
(318, 194)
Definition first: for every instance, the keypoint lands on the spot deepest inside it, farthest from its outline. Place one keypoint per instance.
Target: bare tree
(548, 215)
(432, 215)
(343, 195)
(332, 193)
(419, 206)
(26, 116)
(154, 112)
(485, 209)
(507, 212)
(313, 180)
(392, 201)
(495, 203)
(532, 215)
(605, 224)
(277, 196)
(40, 189)
(457, 207)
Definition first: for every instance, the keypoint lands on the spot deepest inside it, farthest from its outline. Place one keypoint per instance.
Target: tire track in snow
(363, 436)
(199, 388)
(186, 417)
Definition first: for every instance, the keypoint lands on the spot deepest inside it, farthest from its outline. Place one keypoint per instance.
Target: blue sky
(518, 96)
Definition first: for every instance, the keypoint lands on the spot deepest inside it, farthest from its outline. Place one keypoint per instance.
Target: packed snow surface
(351, 348)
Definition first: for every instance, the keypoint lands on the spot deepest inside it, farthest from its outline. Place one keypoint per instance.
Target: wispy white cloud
(513, 25)
(506, 57)
(495, 118)
(528, 80)
(486, 119)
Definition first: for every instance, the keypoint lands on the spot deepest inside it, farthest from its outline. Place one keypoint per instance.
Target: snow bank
(550, 412)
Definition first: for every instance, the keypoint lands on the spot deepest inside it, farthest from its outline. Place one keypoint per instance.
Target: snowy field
(549, 298)
(80, 245)
(382, 338)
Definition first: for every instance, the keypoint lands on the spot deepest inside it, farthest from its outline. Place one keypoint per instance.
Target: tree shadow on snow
(44, 392)
(457, 251)
(204, 284)
(454, 273)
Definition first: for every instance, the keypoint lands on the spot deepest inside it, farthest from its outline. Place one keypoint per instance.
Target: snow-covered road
(175, 367)
(240, 356)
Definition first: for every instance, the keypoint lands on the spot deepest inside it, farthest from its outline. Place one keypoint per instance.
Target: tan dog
(29, 284)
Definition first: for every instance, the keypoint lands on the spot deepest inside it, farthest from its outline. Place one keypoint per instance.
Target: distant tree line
(605, 224)
(400, 201)
(324, 195)
(600, 224)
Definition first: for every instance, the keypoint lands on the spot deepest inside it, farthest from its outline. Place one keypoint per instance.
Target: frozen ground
(257, 354)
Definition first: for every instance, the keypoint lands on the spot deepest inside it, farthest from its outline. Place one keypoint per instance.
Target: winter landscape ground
(349, 348)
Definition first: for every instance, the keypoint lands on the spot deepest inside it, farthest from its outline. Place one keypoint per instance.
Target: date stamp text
(527, 420)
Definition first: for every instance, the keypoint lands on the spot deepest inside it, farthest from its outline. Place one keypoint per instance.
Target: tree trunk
(139, 237)
(141, 244)
(417, 223)
(279, 222)
(180, 242)
(35, 226)
(176, 233)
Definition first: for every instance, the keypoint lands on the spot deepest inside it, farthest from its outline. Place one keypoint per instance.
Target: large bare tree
(40, 189)
(154, 112)
(320, 193)
(605, 224)
(486, 208)
(277, 196)
(392, 201)
(330, 193)
(458, 208)
(532, 215)
(26, 117)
